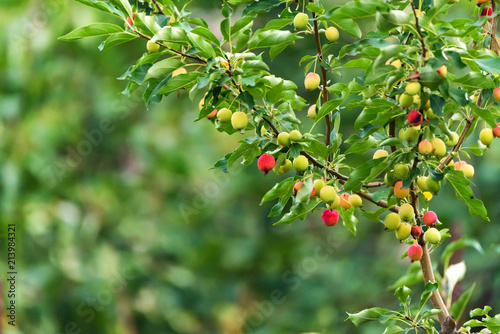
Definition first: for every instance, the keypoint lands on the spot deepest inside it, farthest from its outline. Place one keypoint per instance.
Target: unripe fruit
(410, 135)
(330, 217)
(224, 115)
(285, 167)
(328, 194)
(430, 218)
(405, 100)
(487, 11)
(355, 201)
(380, 154)
(335, 203)
(284, 139)
(496, 93)
(432, 186)
(401, 171)
(486, 137)
(311, 112)
(468, 171)
(392, 221)
(344, 201)
(438, 147)
(318, 184)
(403, 231)
(396, 63)
(406, 212)
(152, 47)
(413, 88)
(416, 99)
(425, 147)
(442, 70)
(295, 135)
(180, 70)
(332, 34)
(422, 183)
(415, 118)
(432, 236)
(389, 179)
(430, 114)
(312, 80)
(300, 21)
(239, 120)
(416, 231)
(453, 141)
(415, 252)
(266, 162)
(496, 131)
(399, 192)
(300, 163)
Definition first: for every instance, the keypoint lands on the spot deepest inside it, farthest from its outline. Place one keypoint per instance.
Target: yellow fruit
(406, 212)
(284, 139)
(380, 154)
(396, 63)
(328, 194)
(300, 163)
(422, 183)
(300, 21)
(438, 147)
(152, 47)
(312, 81)
(403, 231)
(355, 200)
(453, 141)
(413, 88)
(405, 100)
(179, 71)
(311, 112)
(486, 137)
(295, 135)
(425, 147)
(335, 204)
(468, 171)
(239, 120)
(392, 221)
(224, 115)
(318, 184)
(332, 34)
(427, 195)
(432, 235)
(285, 167)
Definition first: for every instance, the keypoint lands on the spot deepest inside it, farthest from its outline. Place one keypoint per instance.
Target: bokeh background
(135, 234)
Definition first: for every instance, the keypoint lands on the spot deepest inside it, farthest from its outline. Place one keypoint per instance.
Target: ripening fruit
(396, 63)
(481, 1)
(284, 139)
(319, 184)
(442, 71)
(212, 114)
(403, 231)
(416, 231)
(300, 21)
(180, 70)
(330, 217)
(486, 137)
(328, 194)
(453, 141)
(285, 167)
(380, 154)
(406, 212)
(459, 164)
(432, 235)
(332, 34)
(392, 221)
(300, 163)
(496, 93)
(355, 201)
(239, 120)
(425, 147)
(224, 115)
(401, 171)
(422, 183)
(487, 11)
(399, 192)
(430, 218)
(416, 99)
(311, 112)
(130, 20)
(468, 171)
(405, 100)
(415, 118)
(152, 47)
(438, 147)
(312, 80)
(415, 252)
(413, 88)
(344, 201)
(432, 186)
(496, 131)
(297, 187)
(335, 204)
(295, 135)
(266, 163)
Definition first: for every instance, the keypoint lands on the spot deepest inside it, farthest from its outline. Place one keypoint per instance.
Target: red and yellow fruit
(399, 192)
(266, 162)
(415, 118)
(496, 131)
(344, 201)
(312, 81)
(442, 70)
(415, 252)
(430, 218)
(416, 231)
(496, 93)
(311, 112)
(425, 147)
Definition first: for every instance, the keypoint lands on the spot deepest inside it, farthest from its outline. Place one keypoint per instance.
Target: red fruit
(330, 217)
(416, 231)
(297, 187)
(496, 131)
(266, 162)
(415, 252)
(212, 114)
(430, 218)
(487, 11)
(496, 93)
(442, 71)
(130, 20)
(415, 118)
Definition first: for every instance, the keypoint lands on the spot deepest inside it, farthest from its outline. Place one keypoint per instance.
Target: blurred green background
(135, 234)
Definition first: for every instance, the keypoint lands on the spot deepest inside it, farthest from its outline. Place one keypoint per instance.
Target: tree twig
(160, 10)
(417, 25)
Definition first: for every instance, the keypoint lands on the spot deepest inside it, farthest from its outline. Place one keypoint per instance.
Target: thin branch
(392, 134)
(417, 25)
(160, 10)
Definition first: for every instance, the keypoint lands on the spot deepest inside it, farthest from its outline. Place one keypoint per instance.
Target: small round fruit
(239, 120)
(396, 63)
(406, 212)
(438, 147)
(415, 252)
(468, 171)
(486, 137)
(344, 201)
(442, 71)
(319, 184)
(285, 167)
(311, 112)
(459, 164)
(284, 139)
(410, 135)
(496, 131)
(152, 47)
(266, 162)
(430, 113)
(430, 218)
(389, 179)
(413, 88)
(401, 171)
(416, 231)
(496, 93)
(212, 114)
(422, 183)
(328, 194)
(403, 231)
(335, 203)
(399, 192)
(179, 71)
(487, 11)
(405, 100)
(332, 34)
(415, 118)
(296, 187)
(300, 163)
(425, 147)
(330, 217)
(224, 115)
(300, 21)
(380, 154)
(295, 135)
(312, 81)
(432, 235)
(432, 186)
(454, 141)
(392, 221)
(355, 201)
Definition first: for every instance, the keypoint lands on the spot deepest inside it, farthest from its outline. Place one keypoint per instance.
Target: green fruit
(486, 137)
(468, 170)
(335, 204)
(454, 141)
(438, 147)
(413, 88)
(392, 221)
(401, 171)
(332, 34)
(406, 212)
(432, 186)
(300, 163)
(152, 47)
(300, 21)
(285, 167)
(355, 200)
(328, 194)
(284, 139)
(295, 135)
(403, 231)
(422, 183)
(430, 114)
(380, 154)
(318, 184)
(405, 100)
(432, 235)
(239, 120)
(311, 112)
(389, 179)
(411, 134)
(224, 115)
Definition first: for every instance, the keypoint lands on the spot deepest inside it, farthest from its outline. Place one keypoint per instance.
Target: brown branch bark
(417, 25)
(392, 134)
(160, 10)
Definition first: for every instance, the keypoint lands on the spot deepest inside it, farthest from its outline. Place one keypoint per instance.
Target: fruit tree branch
(417, 25)
(160, 10)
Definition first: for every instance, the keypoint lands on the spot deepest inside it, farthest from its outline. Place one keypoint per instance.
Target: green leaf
(459, 244)
(163, 68)
(172, 35)
(489, 115)
(117, 39)
(204, 47)
(480, 312)
(362, 147)
(403, 293)
(458, 307)
(393, 329)
(271, 38)
(493, 324)
(475, 80)
(97, 4)
(463, 191)
(181, 81)
(304, 193)
(490, 65)
(371, 314)
(366, 171)
(94, 29)
(205, 33)
(279, 189)
(261, 6)
(299, 211)
(327, 108)
(356, 10)
(349, 219)
(429, 289)
(431, 313)
(393, 19)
